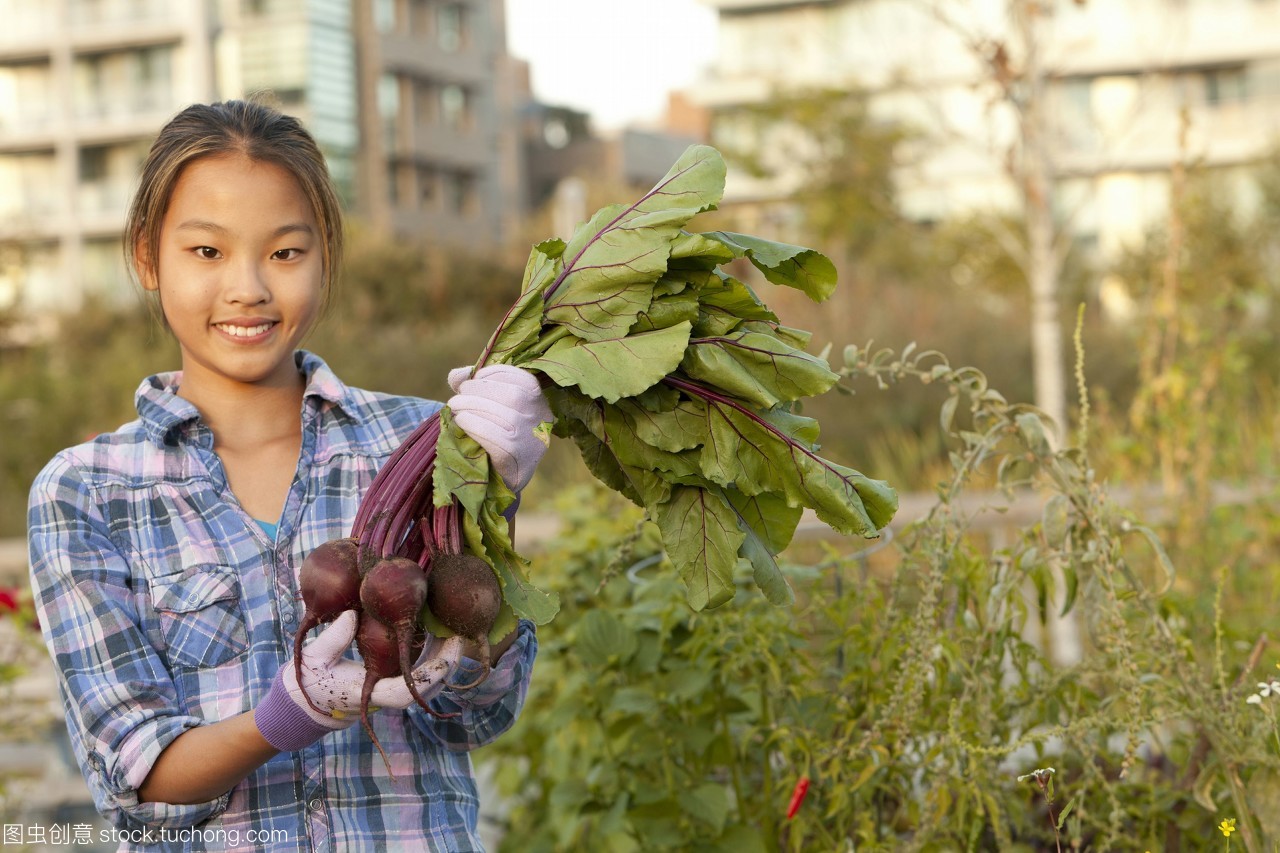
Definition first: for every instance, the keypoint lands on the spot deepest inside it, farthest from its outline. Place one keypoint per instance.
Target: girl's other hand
(502, 408)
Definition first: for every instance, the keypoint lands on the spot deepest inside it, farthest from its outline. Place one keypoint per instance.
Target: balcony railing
(93, 14)
(26, 23)
(100, 197)
(126, 104)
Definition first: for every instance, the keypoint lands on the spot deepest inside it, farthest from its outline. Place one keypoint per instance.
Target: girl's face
(240, 274)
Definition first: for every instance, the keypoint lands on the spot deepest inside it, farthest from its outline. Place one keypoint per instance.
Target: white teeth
(244, 331)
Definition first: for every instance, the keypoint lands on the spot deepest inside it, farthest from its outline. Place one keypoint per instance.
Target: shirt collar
(163, 412)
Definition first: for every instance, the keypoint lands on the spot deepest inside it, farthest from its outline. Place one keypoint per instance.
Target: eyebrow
(206, 225)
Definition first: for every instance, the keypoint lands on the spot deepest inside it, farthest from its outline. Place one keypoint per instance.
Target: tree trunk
(1044, 261)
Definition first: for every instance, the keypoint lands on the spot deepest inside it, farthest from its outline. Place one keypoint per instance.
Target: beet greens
(676, 382)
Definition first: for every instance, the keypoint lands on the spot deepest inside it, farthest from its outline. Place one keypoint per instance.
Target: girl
(164, 556)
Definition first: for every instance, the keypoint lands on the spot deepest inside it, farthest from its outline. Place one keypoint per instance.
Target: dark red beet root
(394, 592)
(465, 596)
(379, 646)
(329, 580)
(390, 637)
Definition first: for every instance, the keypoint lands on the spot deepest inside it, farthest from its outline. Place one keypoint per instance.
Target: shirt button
(316, 804)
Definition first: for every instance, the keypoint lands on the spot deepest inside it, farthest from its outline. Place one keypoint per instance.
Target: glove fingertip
(510, 375)
(334, 640)
(391, 693)
(457, 376)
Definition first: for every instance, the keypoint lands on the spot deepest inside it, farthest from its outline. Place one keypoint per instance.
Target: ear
(142, 263)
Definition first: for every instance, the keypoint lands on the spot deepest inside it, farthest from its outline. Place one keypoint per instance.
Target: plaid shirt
(165, 606)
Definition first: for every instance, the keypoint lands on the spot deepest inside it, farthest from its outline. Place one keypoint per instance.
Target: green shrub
(913, 686)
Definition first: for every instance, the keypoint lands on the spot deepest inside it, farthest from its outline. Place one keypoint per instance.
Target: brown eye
(207, 252)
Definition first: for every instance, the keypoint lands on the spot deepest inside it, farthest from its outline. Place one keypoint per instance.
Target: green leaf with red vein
(756, 455)
(516, 337)
(768, 515)
(682, 427)
(666, 311)
(612, 262)
(462, 468)
(768, 522)
(630, 448)
(701, 535)
(758, 368)
(489, 537)
(725, 304)
(694, 251)
(616, 367)
(784, 264)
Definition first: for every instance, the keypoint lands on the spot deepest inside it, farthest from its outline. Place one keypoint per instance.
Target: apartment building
(1120, 75)
(438, 102)
(84, 84)
(407, 98)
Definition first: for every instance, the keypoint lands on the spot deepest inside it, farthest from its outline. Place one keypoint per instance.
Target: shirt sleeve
(121, 704)
(487, 710)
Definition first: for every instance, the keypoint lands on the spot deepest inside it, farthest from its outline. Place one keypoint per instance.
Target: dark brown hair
(252, 128)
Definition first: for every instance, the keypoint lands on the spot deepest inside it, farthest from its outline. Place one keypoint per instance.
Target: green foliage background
(912, 684)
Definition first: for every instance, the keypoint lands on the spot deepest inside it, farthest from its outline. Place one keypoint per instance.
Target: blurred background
(1079, 199)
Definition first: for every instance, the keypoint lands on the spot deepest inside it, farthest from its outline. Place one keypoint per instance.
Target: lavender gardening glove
(502, 408)
(284, 716)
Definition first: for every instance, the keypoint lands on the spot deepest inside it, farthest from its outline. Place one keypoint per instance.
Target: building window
(426, 188)
(459, 193)
(450, 26)
(393, 185)
(104, 272)
(384, 15)
(90, 72)
(291, 97)
(453, 107)
(152, 74)
(555, 133)
(124, 82)
(25, 184)
(93, 164)
(268, 8)
(30, 276)
(1225, 85)
(426, 102)
(26, 95)
(106, 176)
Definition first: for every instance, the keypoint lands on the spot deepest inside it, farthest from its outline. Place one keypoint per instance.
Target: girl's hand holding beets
(334, 684)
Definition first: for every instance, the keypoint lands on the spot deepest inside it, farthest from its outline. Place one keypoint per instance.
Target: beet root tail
(307, 624)
(371, 679)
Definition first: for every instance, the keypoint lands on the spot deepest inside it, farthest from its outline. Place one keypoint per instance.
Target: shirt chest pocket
(200, 615)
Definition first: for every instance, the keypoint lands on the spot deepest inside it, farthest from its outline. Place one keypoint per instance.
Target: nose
(248, 285)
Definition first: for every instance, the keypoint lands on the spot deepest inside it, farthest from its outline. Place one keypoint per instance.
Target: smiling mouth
(244, 331)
